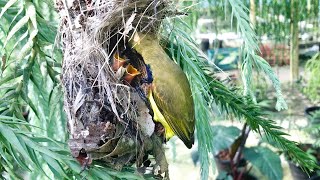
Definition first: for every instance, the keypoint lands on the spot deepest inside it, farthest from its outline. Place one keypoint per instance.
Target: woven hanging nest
(108, 116)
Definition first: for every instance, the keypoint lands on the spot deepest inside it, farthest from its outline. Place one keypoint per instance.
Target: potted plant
(234, 160)
(313, 128)
(312, 89)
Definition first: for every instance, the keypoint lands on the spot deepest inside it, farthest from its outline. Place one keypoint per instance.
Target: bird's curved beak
(117, 61)
(131, 72)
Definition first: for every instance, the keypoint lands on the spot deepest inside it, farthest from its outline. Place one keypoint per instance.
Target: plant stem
(244, 137)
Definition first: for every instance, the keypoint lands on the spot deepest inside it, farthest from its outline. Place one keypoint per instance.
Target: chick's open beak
(117, 62)
(131, 72)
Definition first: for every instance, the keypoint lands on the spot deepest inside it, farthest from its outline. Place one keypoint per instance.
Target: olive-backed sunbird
(169, 95)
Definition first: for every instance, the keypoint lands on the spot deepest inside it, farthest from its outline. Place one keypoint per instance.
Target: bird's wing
(182, 123)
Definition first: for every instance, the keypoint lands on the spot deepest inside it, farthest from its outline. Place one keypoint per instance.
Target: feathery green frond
(238, 13)
(31, 100)
(183, 50)
(206, 90)
(250, 48)
(244, 108)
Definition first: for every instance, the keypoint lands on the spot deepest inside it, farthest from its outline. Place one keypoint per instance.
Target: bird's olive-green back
(171, 89)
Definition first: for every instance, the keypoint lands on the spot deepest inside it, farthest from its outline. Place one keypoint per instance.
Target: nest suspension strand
(108, 116)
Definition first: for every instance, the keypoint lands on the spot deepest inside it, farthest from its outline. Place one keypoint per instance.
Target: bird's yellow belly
(158, 117)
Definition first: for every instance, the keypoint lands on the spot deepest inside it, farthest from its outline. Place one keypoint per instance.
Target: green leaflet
(224, 137)
(10, 136)
(7, 6)
(265, 160)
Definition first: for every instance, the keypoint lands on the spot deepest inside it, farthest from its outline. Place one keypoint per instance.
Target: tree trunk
(294, 42)
(253, 13)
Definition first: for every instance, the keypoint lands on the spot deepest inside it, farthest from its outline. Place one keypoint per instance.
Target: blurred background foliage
(33, 131)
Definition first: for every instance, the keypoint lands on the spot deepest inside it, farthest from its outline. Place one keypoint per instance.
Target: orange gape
(131, 72)
(117, 61)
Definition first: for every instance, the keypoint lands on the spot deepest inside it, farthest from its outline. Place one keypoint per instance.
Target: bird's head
(131, 72)
(117, 61)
